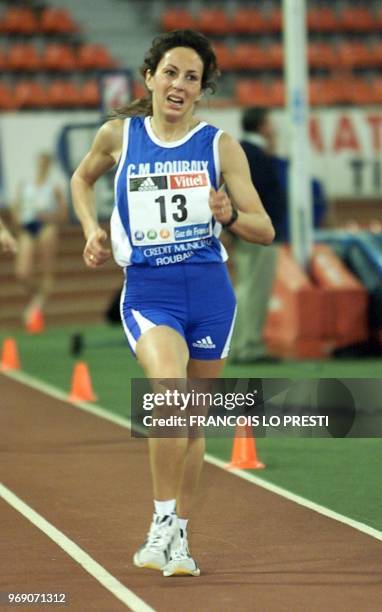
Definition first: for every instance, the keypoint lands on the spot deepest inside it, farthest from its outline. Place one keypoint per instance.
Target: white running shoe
(181, 563)
(155, 552)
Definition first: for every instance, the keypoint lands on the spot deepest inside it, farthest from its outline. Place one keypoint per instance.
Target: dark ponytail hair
(160, 45)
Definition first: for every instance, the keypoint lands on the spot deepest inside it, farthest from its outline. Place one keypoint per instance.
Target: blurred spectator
(39, 208)
(255, 264)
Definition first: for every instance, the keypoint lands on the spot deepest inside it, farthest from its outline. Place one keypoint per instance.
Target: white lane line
(302, 501)
(116, 588)
(101, 412)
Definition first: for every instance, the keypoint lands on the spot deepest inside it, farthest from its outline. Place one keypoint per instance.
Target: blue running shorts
(197, 300)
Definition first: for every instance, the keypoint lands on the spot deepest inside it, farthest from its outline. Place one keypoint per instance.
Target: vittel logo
(184, 181)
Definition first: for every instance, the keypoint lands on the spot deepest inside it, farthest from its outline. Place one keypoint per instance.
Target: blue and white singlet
(161, 214)
(161, 221)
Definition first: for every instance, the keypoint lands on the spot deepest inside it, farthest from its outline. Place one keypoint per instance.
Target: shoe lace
(160, 533)
(181, 551)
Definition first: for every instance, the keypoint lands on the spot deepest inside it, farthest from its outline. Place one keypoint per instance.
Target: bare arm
(253, 224)
(7, 242)
(101, 157)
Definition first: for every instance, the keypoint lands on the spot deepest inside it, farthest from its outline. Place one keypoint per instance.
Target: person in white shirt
(39, 208)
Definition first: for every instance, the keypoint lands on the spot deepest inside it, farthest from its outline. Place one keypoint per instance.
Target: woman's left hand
(96, 252)
(220, 205)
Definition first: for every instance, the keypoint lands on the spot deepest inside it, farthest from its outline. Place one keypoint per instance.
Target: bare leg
(24, 263)
(47, 250)
(194, 458)
(176, 463)
(163, 353)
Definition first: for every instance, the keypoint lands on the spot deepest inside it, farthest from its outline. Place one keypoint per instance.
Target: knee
(169, 373)
(164, 368)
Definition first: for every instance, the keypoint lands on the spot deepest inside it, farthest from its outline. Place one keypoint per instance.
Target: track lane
(90, 479)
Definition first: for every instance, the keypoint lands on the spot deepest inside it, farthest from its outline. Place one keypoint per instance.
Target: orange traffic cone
(10, 356)
(81, 384)
(35, 322)
(244, 456)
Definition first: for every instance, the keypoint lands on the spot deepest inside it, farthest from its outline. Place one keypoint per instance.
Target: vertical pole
(296, 78)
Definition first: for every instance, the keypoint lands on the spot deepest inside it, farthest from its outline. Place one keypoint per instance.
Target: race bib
(169, 208)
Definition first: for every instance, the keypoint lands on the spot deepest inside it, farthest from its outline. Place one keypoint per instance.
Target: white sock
(183, 524)
(165, 507)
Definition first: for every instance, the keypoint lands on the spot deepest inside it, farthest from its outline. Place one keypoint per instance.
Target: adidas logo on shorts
(204, 343)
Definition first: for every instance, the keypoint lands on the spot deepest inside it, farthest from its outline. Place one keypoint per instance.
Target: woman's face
(177, 82)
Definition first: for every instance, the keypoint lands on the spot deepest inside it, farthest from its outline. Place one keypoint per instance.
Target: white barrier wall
(23, 136)
(346, 144)
(346, 147)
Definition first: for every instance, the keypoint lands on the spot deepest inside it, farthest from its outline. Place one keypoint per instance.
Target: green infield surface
(341, 474)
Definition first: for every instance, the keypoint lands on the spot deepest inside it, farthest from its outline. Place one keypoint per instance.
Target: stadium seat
(360, 91)
(316, 97)
(19, 20)
(344, 54)
(7, 102)
(225, 56)
(314, 56)
(23, 57)
(354, 54)
(356, 19)
(63, 94)
(324, 91)
(335, 90)
(322, 19)
(248, 21)
(277, 94)
(3, 60)
(274, 56)
(213, 21)
(57, 21)
(376, 54)
(176, 19)
(376, 91)
(362, 55)
(251, 93)
(248, 56)
(94, 57)
(321, 55)
(89, 94)
(275, 20)
(29, 94)
(58, 57)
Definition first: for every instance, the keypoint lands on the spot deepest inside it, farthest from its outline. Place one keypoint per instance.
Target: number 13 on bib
(169, 208)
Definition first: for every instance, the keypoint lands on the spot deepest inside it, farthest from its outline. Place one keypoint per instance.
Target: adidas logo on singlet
(204, 343)
(148, 185)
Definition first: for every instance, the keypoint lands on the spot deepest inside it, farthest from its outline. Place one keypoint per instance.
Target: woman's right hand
(95, 251)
